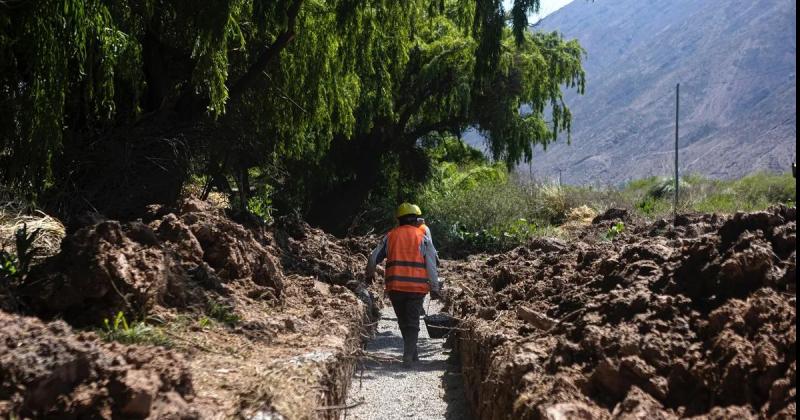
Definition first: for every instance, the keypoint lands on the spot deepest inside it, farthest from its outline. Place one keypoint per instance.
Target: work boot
(410, 347)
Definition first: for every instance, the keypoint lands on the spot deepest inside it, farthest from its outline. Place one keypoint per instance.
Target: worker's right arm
(378, 255)
(430, 255)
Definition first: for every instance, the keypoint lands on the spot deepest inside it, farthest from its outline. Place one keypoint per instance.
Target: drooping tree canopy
(98, 96)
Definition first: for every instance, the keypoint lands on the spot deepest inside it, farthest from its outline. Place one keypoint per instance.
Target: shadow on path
(429, 389)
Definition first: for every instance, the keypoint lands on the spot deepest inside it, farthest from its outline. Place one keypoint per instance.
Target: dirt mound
(308, 251)
(175, 260)
(268, 318)
(612, 214)
(659, 323)
(311, 251)
(48, 371)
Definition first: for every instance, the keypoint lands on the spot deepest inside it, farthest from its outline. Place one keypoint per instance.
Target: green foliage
(473, 206)
(753, 192)
(204, 322)
(650, 206)
(614, 231)
(139, 333)
(222, 312)
(653, 197)
(307, 90)
(60, 60)
(469, 210)
(664, 188)
(448, 148)
(16, 267)
(260, 204)
(8, 266)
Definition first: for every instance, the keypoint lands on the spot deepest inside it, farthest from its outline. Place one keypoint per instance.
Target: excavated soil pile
(268, 320)
(47, 370)
(312, 252)
(698, 320)
(176, 260)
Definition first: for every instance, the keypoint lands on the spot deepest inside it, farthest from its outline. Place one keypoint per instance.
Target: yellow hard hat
(407, 209)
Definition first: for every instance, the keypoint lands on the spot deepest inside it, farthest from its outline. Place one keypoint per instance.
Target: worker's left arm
(375, 258)
(429, 253)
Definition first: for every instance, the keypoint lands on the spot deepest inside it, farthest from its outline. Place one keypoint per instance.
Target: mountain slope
(735, 60)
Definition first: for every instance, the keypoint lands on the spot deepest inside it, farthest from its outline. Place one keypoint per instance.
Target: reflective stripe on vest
(405, 264)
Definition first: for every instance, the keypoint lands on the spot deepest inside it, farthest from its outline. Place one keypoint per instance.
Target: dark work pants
(408, 308)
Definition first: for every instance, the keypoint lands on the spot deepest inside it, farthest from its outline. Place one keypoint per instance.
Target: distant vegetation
(472, 205)
(652, 197)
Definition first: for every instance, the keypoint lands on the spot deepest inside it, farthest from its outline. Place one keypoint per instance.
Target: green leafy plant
(139, 333)
(261, 204)
(222, 313)
(204, 322)
(8, 266)
(17, 266)
(614, 231)
(25, 250)
(647, 206)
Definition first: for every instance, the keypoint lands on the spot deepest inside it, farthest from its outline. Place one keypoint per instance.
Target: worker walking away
(410, 274)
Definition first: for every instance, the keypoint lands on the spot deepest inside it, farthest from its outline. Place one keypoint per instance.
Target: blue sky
(548, 6)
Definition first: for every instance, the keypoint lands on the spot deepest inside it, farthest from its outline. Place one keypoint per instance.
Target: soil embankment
(257, 322)
(661, 322)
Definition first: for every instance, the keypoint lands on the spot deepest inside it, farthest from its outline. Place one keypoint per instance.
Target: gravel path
(431, 389)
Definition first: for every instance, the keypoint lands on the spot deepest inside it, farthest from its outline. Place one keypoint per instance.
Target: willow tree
(111, 105)
(444, 82)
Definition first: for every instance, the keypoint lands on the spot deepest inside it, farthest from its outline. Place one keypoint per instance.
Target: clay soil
(660, 322)
(258, 322)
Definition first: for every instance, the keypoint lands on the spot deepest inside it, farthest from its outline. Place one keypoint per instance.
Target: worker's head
(420, 221)
(407, 214)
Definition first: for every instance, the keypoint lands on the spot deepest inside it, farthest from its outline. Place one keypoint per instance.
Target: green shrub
(664, 188)
(653, 196)
(480, 208)
(260, 204)
(763, 189)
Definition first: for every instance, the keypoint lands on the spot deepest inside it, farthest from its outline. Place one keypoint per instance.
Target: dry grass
(578, 218)
(281, 358)
(13, 216)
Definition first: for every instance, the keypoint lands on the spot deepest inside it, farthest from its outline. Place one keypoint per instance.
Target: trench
(383, 387)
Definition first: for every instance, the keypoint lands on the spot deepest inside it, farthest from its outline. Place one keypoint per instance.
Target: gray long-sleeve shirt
(426, 249)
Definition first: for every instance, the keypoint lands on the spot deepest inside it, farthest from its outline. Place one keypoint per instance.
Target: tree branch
(268, 54)
(434, 126)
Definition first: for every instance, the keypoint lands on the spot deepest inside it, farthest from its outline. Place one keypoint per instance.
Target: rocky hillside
(735, 60)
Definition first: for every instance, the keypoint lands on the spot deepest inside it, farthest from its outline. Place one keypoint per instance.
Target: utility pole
(677, 174)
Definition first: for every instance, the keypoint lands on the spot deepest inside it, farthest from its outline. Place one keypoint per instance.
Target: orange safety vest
(405, 264)
(425, 228)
